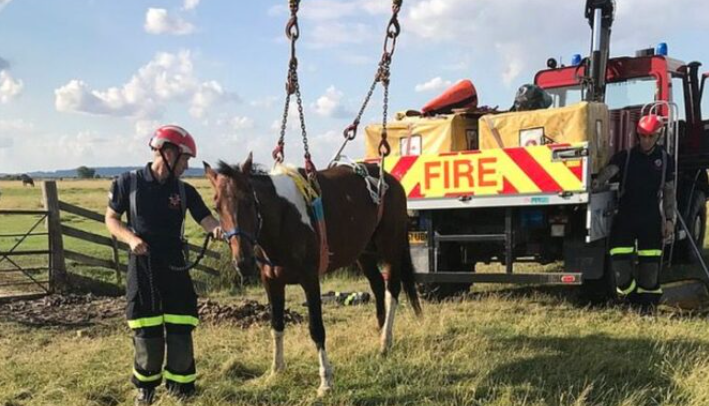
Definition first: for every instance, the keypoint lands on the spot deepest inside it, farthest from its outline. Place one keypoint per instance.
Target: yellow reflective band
(622, 250)
(181, 319)
(180, 378)
(146, 322)
(657, 291)
(649, 253)
(627, 290)
(146, 378)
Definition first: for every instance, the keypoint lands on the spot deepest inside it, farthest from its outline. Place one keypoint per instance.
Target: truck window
(632, 92)
(678, 97)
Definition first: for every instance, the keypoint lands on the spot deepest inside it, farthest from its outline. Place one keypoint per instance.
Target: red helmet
(174, 135)
(649, 124)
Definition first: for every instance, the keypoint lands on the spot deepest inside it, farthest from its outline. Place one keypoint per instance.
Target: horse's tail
(407, 279)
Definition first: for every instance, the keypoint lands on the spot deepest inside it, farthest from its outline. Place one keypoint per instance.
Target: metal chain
(382, 76)
(293, 87)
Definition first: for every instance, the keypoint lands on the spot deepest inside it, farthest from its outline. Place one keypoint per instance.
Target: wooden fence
(57, 231)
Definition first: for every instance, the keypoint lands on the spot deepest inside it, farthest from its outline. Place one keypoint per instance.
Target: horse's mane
(233, 171)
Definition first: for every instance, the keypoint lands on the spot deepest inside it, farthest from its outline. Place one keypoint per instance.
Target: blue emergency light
(575, 60)
(661, 49)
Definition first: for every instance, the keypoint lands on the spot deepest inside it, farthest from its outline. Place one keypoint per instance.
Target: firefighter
(646, 213)
(161, 302)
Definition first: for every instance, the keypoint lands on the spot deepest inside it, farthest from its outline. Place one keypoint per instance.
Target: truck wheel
(450, 260)
(696, 221)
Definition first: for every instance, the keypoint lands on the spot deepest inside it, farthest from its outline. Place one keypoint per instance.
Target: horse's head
(236, 204)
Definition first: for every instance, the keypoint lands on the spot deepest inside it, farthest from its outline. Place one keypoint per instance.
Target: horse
(266, 220)
(27, 180)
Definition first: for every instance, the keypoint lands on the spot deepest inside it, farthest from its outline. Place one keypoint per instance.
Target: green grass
(515, 347)
(510, 346)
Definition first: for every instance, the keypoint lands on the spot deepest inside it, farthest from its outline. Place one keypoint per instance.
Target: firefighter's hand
(668, 229)
(218, 233)
(138, 246)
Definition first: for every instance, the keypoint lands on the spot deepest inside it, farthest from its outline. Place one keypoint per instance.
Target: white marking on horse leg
(278, 363)
(326, 374)
(387, 337)
(287, 190)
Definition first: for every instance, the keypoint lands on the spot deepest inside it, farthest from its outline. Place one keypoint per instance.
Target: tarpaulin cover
(581, 122)
(429, 135)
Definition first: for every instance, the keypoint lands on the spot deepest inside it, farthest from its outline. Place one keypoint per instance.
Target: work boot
(181, 392)
(145, 397)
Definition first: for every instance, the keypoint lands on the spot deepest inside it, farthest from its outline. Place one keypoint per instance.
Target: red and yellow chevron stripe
(507, 171)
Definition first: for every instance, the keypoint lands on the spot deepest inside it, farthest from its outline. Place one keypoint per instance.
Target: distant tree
(84, 172)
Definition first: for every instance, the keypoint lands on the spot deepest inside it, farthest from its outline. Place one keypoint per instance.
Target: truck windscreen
(631, 92)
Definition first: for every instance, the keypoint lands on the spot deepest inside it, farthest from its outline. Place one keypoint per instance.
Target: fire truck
(513, 187)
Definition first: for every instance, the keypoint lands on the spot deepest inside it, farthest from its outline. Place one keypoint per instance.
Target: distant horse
(266, 219)
(27, 180)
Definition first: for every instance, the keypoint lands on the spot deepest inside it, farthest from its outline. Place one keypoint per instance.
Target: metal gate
(24, 254)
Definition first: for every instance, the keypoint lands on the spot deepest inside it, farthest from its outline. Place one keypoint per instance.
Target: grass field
(507, 346)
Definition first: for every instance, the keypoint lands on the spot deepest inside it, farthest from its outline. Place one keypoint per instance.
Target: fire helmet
(175, 135)
(649, 125)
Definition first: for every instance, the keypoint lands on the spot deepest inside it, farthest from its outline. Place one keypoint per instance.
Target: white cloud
(190, 4)
(9, 87)
(15, 127)
(335, 21)
(4, 3)
(207, 95)
(434, 84)
(238, 123)
(157, 21)
(330, 104)
(167, 78)
(266, 102)
(515, 36)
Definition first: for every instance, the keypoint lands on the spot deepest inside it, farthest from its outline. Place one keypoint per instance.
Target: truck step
(470, 237)
(547, 278)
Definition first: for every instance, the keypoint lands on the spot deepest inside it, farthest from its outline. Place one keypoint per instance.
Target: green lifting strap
(146, 322)
(180, 378)
(146, 378)
(650, 253)
(622, 250)
(181, 319)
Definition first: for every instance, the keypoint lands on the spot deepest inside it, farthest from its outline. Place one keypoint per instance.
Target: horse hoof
(324, 390)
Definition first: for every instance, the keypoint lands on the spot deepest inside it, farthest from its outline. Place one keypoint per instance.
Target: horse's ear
(246, 166)
(211, 175)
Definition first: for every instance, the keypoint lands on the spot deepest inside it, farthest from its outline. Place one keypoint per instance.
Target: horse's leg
(368, 264)
(276, 291)
(311, 286)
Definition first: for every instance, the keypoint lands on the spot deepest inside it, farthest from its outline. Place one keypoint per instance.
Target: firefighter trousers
(162, 312)
(637, 234)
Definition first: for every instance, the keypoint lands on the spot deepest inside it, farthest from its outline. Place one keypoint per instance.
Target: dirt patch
(73, 311)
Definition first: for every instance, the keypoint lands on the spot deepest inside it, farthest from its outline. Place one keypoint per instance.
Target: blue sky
(85, 82)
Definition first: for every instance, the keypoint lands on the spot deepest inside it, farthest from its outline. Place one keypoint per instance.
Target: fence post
(58, 280)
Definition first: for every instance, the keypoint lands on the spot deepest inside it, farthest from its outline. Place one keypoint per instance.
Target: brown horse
(267, 220)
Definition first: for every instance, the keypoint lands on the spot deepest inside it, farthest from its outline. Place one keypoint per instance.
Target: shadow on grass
(617, 368)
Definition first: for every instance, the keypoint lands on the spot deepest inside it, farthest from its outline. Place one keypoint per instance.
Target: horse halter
(238, 232)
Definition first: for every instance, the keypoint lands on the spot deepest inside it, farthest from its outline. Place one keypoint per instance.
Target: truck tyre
(450, 260)
(696, 221)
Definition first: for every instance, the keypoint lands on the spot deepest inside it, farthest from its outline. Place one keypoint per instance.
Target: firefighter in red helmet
(646, 213)
(161, 302)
